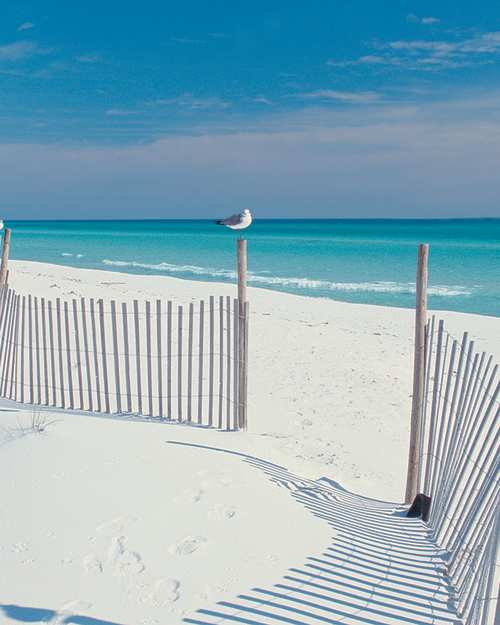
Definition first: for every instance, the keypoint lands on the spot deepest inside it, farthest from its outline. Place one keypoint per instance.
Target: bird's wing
(234, 220)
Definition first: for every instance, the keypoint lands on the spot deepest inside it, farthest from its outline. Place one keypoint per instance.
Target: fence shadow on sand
(380, 567)
(24, 614)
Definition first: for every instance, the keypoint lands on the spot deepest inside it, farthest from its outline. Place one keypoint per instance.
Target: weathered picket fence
(183, 363)
(459, 468)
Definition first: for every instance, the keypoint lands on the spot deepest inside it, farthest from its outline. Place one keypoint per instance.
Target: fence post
(241, 246)
(242, 298)
(418, 374)
(100, 304)
(5, 256)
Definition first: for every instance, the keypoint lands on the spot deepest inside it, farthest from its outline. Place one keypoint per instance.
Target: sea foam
(292, 282)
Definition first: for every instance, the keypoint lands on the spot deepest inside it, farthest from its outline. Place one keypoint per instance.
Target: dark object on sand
(420, 507)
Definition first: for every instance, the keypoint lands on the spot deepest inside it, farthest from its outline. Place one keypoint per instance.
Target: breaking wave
(297, 283)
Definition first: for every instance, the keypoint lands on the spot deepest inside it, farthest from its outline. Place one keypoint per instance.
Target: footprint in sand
(92, 564)
(19, 547)
(126, 562)
(187, 546)
(211, 592)
(221, 512)
(190, 496)
(164, 591)
(115, 525)
(168, 590)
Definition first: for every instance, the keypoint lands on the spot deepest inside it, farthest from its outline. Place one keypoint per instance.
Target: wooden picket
(87, 355)
(459, 464)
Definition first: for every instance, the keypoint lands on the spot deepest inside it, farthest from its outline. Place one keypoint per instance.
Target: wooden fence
(459, 466)
(183, 363)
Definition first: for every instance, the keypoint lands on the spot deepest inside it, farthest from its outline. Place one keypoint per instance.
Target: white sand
(111, 520)
(329, 382)
(119, 522)
(106, 517)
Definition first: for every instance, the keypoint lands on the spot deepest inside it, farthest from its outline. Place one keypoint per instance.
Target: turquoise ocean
(364, 261)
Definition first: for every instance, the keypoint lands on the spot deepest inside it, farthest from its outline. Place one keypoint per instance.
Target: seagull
(238, 221)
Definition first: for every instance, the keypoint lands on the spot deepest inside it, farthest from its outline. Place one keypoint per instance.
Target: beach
(329, 382)
(130, 520)
(249, 313)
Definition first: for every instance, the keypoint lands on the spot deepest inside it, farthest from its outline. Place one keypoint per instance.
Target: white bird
(238, 221)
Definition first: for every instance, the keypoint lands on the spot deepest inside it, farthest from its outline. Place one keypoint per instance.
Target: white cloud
(186, 40)
(25, 26)
(120, 112)
(370, 161)
(88, 58)
(472, 50)
(20, 50)
(188, 101)
(430, 20)
(426, 21)
(368, 59)
(431, 55)
(354, 97)
(487, 43)
(262, 100)
(441, 47)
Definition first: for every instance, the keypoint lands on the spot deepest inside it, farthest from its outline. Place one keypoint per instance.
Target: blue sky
(161, 109)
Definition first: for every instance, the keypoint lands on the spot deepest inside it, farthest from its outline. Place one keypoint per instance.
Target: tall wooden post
(5, 257)
(242, 352)
(418, 374)
(242, 271)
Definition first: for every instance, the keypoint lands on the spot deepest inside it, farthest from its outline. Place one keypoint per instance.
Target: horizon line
(208, 219)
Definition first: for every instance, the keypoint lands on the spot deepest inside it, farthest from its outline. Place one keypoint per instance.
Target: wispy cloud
(260, 99)
(372, 161)
(353, 97)
(121, 112)
(186, 40)
(94, 57)
(20, 50)
(25, 26)
(426, 21)
(429, 20)
(431, 55)
(192, 102)
(367, 59)
(440, 47)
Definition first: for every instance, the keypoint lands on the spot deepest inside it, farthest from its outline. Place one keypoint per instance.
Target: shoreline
(372, 262)
(212, 284)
